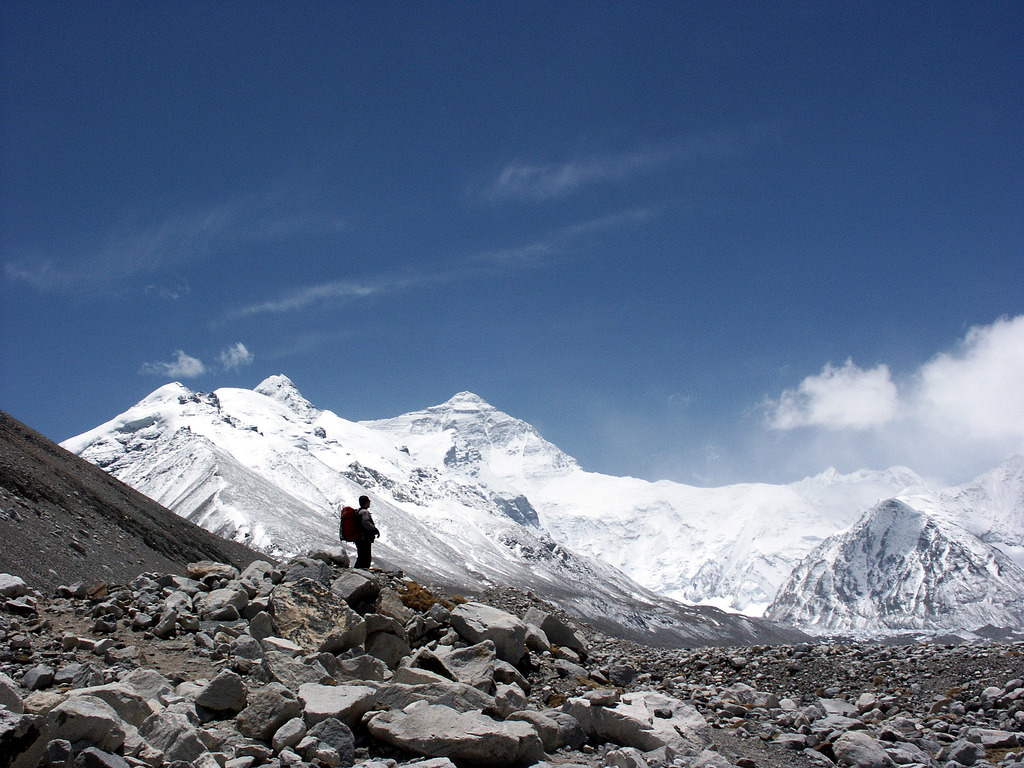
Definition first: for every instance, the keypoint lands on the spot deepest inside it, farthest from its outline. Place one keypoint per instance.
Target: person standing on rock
(367, 533)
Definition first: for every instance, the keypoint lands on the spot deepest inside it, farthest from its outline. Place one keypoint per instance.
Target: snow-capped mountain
(946, 559)
(730, 546)
(267, 468)
(466, 494)
(901, 568)
(990, 507)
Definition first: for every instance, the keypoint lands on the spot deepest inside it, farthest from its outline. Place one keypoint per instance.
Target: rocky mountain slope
(64, 520)
(308, 663)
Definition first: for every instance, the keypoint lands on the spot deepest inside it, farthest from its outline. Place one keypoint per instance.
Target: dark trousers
(363, 547)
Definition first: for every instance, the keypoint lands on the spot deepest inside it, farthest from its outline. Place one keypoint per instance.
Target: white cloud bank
(961, 409)
(838, 398)
(185, 366)
(979, 389)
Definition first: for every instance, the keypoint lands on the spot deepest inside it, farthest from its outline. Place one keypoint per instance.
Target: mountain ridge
(263, 467)
(463, 471)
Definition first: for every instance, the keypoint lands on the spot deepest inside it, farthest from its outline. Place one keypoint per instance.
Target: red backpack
(349, 530)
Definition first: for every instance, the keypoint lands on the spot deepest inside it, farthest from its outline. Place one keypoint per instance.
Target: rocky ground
(311, 663)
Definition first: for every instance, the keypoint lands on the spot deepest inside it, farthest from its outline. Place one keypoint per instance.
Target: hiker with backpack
(357, 526)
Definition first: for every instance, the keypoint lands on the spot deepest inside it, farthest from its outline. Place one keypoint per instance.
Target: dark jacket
(368, 531)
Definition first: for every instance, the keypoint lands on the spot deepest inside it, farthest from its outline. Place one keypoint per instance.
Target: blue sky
(707, 242)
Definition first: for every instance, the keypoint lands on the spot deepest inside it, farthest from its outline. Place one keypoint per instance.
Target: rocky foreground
(311, 663)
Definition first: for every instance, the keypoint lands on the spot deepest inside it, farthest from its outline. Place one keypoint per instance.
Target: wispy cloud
(521, 180)
(557, 245)
(311, 295)
(144, 252)
(185, 366)
(235, 356)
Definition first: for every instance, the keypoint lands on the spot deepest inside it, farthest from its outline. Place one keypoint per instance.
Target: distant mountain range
(466, 494)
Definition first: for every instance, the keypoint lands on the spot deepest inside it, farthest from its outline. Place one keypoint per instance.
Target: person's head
(364, 502)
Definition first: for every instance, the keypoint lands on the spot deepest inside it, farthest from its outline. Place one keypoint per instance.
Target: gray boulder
(259, 571)
(364, 667)
(556, 631)
(387, 647)
(225, 693)
(130, 705)
(289, 734)
(567, 731)
(12, 586)
(347, 703)
(246, 647)
(331, 555)
(149, 684)
(88, 719)
(205, 569)
(858, 749)
(356, 588)
(218, 602)
(38, 677)
(645, 720)
(439, 731)
(268, 709)
(9, 696)
(309, 614)
(334, 734)
(173, 734)
(474, 665)
(299, 568)
(261, 626)
(457, 696)
(90, 757)
(18, 732)
(277, 667)
(476, 622)
(389, 603)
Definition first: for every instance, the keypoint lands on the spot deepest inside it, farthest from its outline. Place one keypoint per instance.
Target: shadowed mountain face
(64, 520)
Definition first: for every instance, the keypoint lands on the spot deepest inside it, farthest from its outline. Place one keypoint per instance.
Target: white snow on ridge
(464, 492)
(899, 568)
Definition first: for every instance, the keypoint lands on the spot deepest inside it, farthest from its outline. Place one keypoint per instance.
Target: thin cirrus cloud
(187, 367)
(542, 182)
(536, 254)
(168, 243)
(175, 240)
(973, 392)
(306, 297)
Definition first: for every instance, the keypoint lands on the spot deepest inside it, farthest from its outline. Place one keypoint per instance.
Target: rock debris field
(312, 663)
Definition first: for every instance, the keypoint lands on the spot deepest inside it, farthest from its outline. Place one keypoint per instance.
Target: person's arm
(368, 524)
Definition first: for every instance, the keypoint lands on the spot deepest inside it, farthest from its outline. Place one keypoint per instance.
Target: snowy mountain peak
(281, 389)
(900, 568)
(468, 401)
(465, 491)
(469, 433)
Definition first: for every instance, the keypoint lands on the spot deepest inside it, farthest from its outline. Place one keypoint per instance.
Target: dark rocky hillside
(64, 520)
